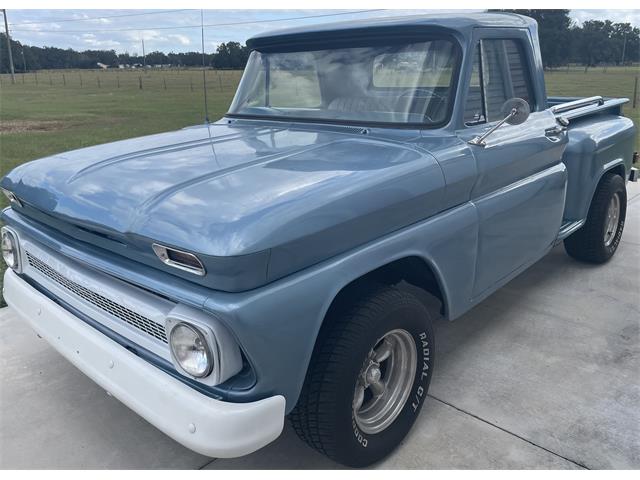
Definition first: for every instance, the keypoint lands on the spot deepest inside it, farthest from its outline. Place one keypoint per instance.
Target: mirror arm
(480, 140)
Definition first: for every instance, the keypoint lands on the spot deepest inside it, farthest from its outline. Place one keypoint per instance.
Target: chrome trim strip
(583, 102)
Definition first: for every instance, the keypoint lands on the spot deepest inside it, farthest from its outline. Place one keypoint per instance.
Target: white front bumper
(203, 424)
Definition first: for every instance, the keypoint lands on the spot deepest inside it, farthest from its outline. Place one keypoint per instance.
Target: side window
(474, 107)
(501, 69)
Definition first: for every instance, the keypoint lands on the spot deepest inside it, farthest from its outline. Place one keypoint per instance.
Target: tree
(554, 30)
(603, 42)
(157, 58)
(231, 55)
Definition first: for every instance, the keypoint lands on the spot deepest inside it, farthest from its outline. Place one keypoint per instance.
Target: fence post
(36, 74)
(140, 82)
(191, 83)
(118, 80)
(164, 81)
(80, 75)
(98, 79)
(635, 93)
(64, 80)
(23, 78)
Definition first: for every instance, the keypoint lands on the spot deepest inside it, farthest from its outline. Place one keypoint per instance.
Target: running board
(567, 229)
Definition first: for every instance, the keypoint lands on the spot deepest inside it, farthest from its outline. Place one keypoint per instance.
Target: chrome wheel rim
(613, 216)
(384, 381)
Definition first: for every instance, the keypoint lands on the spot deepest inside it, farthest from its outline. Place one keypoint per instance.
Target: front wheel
(598, 239)
(368, 378)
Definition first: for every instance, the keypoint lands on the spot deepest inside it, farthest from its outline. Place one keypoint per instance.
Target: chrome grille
(134, 319)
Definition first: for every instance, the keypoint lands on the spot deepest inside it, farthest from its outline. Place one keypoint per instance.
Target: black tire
(324, 417)
(588, 244)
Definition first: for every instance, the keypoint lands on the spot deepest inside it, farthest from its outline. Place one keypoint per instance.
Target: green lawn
(612, 82)
(58, 111)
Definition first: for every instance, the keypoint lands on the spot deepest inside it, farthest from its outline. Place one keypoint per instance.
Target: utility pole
(6, 29)
(144, 58)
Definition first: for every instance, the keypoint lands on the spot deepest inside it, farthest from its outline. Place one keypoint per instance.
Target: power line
(99, 18)
(198, 26)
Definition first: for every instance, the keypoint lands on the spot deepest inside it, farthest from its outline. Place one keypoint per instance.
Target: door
(520, 189)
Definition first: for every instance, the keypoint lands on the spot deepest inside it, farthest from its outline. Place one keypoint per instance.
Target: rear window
(428, 67)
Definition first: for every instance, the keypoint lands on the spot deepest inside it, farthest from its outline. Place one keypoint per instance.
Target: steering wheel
(428, 92)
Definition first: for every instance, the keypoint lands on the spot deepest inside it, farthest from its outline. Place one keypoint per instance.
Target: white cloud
(89, 40)
(616, 16)
(181, 39)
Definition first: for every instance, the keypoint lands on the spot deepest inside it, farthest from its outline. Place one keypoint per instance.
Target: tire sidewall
(357, 447)
(616, 186)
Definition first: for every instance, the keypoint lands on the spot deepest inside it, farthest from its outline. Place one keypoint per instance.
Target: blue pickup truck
(290, 259)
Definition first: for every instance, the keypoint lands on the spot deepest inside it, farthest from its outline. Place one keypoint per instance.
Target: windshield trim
(457, 51)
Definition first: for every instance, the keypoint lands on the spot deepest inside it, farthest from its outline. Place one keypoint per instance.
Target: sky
(179, 30)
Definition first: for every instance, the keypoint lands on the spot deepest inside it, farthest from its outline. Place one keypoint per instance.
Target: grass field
(52, 112)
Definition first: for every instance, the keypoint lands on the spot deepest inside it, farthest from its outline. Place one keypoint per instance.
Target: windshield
(400, 83)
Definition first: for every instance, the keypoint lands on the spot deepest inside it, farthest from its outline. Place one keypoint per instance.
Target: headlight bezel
(205, 346)
(225, 352)
(10, 234)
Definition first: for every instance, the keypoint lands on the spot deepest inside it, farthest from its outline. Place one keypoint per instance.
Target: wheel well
(413, 272)
(617, 170)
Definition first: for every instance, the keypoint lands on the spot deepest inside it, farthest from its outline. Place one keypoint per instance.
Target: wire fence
(170, 79)
(608, 79)
(630, 68)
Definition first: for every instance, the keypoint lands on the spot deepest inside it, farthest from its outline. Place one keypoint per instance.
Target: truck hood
(232, 190)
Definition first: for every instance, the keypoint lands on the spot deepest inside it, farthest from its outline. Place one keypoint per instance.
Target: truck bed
(600, 139)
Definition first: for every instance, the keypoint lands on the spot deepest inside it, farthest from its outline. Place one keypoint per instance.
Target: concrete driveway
(543, 374)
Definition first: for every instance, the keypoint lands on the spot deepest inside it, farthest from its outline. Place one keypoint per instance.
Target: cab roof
(461, 22)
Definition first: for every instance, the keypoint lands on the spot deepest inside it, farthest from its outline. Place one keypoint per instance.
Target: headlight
(190, 350)
(201, 346)
(9, 245)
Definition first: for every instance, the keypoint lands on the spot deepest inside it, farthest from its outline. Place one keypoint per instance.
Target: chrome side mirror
(515, 112)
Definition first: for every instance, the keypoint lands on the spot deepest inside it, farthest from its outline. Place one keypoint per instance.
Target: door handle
(554, 132)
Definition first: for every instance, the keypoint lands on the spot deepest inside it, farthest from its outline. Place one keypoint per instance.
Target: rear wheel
(368, 378)
(598, 239)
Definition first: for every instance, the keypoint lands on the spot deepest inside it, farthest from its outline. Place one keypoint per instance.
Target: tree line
(562, 41)
(28, 58)
(595, 42)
